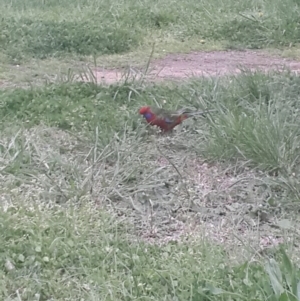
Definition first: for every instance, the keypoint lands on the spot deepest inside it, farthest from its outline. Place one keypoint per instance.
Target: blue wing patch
(168, 120)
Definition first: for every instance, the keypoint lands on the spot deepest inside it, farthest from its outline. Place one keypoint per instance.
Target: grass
(79, 168)
(41, 38)
(253, 122)
(60, 29)
(118, 27)
(79, 253)
(95, 205)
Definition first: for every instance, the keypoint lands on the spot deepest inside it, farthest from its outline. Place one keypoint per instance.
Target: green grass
(79, 168)
(95, 205)
(38, 36)
(257, 114)
(79, 253)
(42, 29)
(256, 119)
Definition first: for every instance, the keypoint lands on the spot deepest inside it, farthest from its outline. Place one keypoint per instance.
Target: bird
(166, 120)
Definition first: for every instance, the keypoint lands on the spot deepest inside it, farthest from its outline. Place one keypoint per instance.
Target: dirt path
(216, 63)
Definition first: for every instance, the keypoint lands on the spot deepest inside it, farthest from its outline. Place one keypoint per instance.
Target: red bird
(166, 120)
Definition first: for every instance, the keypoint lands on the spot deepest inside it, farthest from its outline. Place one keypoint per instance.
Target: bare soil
(216, 63)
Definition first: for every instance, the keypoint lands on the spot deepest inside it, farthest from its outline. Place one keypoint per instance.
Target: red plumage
(165, 120)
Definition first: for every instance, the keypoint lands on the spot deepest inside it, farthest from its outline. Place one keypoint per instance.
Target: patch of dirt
(216, 63)
(204, 200)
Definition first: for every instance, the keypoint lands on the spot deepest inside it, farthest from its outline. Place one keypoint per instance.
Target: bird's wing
(171, 116)
(169, 120)
(165, 115)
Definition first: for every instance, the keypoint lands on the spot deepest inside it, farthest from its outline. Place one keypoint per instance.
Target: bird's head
(144, 110)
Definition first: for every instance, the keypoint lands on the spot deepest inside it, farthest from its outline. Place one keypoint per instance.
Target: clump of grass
(258, 122)
(68, 106)
(41, 39)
